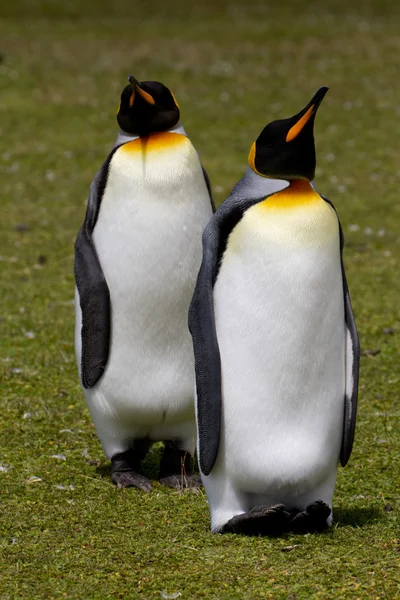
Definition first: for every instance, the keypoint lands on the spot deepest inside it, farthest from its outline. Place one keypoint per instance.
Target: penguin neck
(178, 129)
(253, 185)
(124, 137)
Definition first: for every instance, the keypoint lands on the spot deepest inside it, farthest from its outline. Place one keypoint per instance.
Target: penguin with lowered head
(136, 259)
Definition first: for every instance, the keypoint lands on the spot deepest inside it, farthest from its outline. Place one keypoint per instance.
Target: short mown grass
(66, 531)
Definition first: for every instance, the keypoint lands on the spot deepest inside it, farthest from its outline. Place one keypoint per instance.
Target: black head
(285, 149)
(147, 107)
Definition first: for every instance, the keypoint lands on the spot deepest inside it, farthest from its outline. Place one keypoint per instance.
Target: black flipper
(93, 290)
(202, 319)
(208, 184)
(352, 363)
(206, 350)
(94, 295)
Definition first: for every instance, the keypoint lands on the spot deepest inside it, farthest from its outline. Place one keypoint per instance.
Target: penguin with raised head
(136, 260)
(275, 343)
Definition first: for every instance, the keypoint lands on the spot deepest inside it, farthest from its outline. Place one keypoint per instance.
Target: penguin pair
(275, 343)
(137, 256)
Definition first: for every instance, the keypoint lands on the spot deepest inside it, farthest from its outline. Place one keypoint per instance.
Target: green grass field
(66, 531)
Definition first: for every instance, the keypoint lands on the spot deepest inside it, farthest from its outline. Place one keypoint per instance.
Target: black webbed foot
(176, 468)
(260, 520)
(312, 519)
(131, 479)
(181, 481)
(124, 471)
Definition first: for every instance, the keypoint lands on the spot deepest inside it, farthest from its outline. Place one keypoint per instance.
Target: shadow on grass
(356, 517)
(103, 471)
(343, 517)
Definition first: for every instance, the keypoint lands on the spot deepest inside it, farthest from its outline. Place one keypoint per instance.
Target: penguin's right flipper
(94, 295)
(94, 298)
(208, 184)
(206, 350)
(203, 330)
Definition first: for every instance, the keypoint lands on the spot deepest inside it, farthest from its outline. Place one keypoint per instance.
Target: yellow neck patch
(300, 192)
(154, 143)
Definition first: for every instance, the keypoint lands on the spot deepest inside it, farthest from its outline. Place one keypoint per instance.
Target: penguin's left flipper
(94, 295)
(352, 365)
(260, 520)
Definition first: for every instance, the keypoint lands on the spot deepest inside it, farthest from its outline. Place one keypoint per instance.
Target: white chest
(280, 324)
(148, 238)
(154, 209)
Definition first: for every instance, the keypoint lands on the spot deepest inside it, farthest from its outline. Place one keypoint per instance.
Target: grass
(233, 67)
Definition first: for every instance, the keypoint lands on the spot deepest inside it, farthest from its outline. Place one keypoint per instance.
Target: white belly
(280, 325)
(148, 239)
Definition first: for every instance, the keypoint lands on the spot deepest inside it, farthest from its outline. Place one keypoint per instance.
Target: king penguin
(136, 260)
(275, 343)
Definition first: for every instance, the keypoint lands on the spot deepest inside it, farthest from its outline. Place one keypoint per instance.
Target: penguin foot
(176, 467)
(181, 481)
(312, 519)
(260, 520)
(125, 479)
(124, 472)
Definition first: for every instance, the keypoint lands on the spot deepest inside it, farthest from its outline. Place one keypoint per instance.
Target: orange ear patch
(132, 98)
(297, 127)
(252, 159)
(252, 156)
